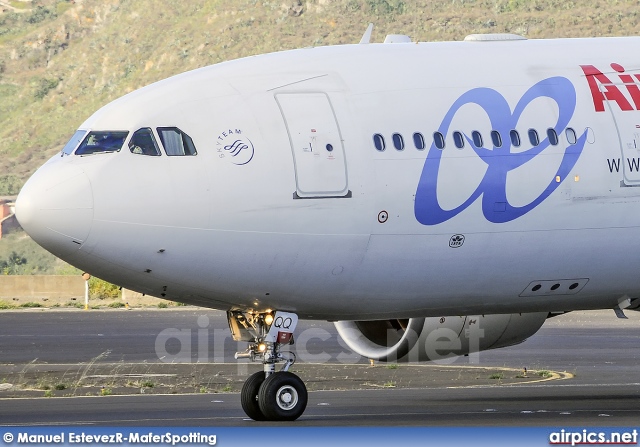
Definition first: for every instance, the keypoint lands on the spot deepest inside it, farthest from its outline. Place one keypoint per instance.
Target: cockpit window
(176, 142)
(102, 141)
(144, 143)
(73, 142)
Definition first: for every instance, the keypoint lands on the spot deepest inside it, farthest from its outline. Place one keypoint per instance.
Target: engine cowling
(634, 305)
(431, 339)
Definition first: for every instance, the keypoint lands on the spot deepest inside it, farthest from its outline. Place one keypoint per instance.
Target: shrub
(31, 304)
(44, 86)
(40, 14)
(20, 255)
(77, 304)
(385, 7)
(9, 185)
(13, 265)
(101, 289)
(4, 305)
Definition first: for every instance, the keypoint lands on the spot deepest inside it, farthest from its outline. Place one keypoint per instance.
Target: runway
(531, 406)
(600, 351)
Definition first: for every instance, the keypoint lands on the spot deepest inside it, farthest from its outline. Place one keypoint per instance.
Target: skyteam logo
(235, 147)
(500, 161)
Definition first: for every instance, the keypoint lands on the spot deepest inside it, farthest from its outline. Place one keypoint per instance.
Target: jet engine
(431, 339)
(634, 305)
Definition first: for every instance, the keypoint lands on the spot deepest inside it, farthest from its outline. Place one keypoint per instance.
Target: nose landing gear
(269, 395)
(289, 394)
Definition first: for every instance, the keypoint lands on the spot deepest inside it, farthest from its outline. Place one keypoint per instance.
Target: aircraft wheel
(282, 397)
(249, 396)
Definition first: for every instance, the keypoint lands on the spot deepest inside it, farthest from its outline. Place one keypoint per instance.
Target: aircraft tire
(250, 394)
(283, 397)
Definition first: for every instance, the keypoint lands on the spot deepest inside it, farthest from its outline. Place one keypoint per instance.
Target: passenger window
(73, 142)
(553, 136)
(515, 138)
(458, 139)
(398, 141)
(438, 139)
(378, 141)
(176, 142)
(571, 135)
(477, 138)
(496, 138)
(144, 143)
(102, 142)
(418, 141)
(533, 137)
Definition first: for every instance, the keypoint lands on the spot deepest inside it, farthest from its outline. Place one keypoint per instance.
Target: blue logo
(500, 160)
(241, 151)
(235, 147)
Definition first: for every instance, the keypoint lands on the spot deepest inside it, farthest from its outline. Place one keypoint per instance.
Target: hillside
(60, 60)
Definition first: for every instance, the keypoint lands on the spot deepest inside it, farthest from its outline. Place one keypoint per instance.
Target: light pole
(86, 278)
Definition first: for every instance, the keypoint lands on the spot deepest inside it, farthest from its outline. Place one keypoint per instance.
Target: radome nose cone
(55, 207)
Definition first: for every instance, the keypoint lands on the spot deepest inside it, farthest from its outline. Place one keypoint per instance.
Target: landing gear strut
(269, 395)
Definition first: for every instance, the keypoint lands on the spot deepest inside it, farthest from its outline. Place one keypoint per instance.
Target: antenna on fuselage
(366, 37)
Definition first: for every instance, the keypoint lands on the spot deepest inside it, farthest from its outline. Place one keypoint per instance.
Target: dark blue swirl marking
(236, 147)
(500, 160)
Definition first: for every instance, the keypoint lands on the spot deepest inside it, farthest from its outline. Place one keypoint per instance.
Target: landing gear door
(316, 144)
(628, 127)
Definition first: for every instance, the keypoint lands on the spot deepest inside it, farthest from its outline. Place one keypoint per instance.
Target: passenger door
(627, 124)
(316, 145)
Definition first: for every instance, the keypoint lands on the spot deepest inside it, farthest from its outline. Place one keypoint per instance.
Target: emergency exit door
(316, 145)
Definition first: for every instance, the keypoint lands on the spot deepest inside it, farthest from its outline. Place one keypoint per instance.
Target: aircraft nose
(55, 207)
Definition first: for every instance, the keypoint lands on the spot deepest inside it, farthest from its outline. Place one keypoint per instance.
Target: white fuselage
(268, 216)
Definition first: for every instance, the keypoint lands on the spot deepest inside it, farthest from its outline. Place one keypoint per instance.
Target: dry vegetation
(60, 60)
(100, 377)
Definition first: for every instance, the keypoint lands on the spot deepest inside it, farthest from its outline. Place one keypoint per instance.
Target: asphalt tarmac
(597, 354)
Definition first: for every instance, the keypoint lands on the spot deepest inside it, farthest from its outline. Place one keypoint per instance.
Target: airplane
(432, 199)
